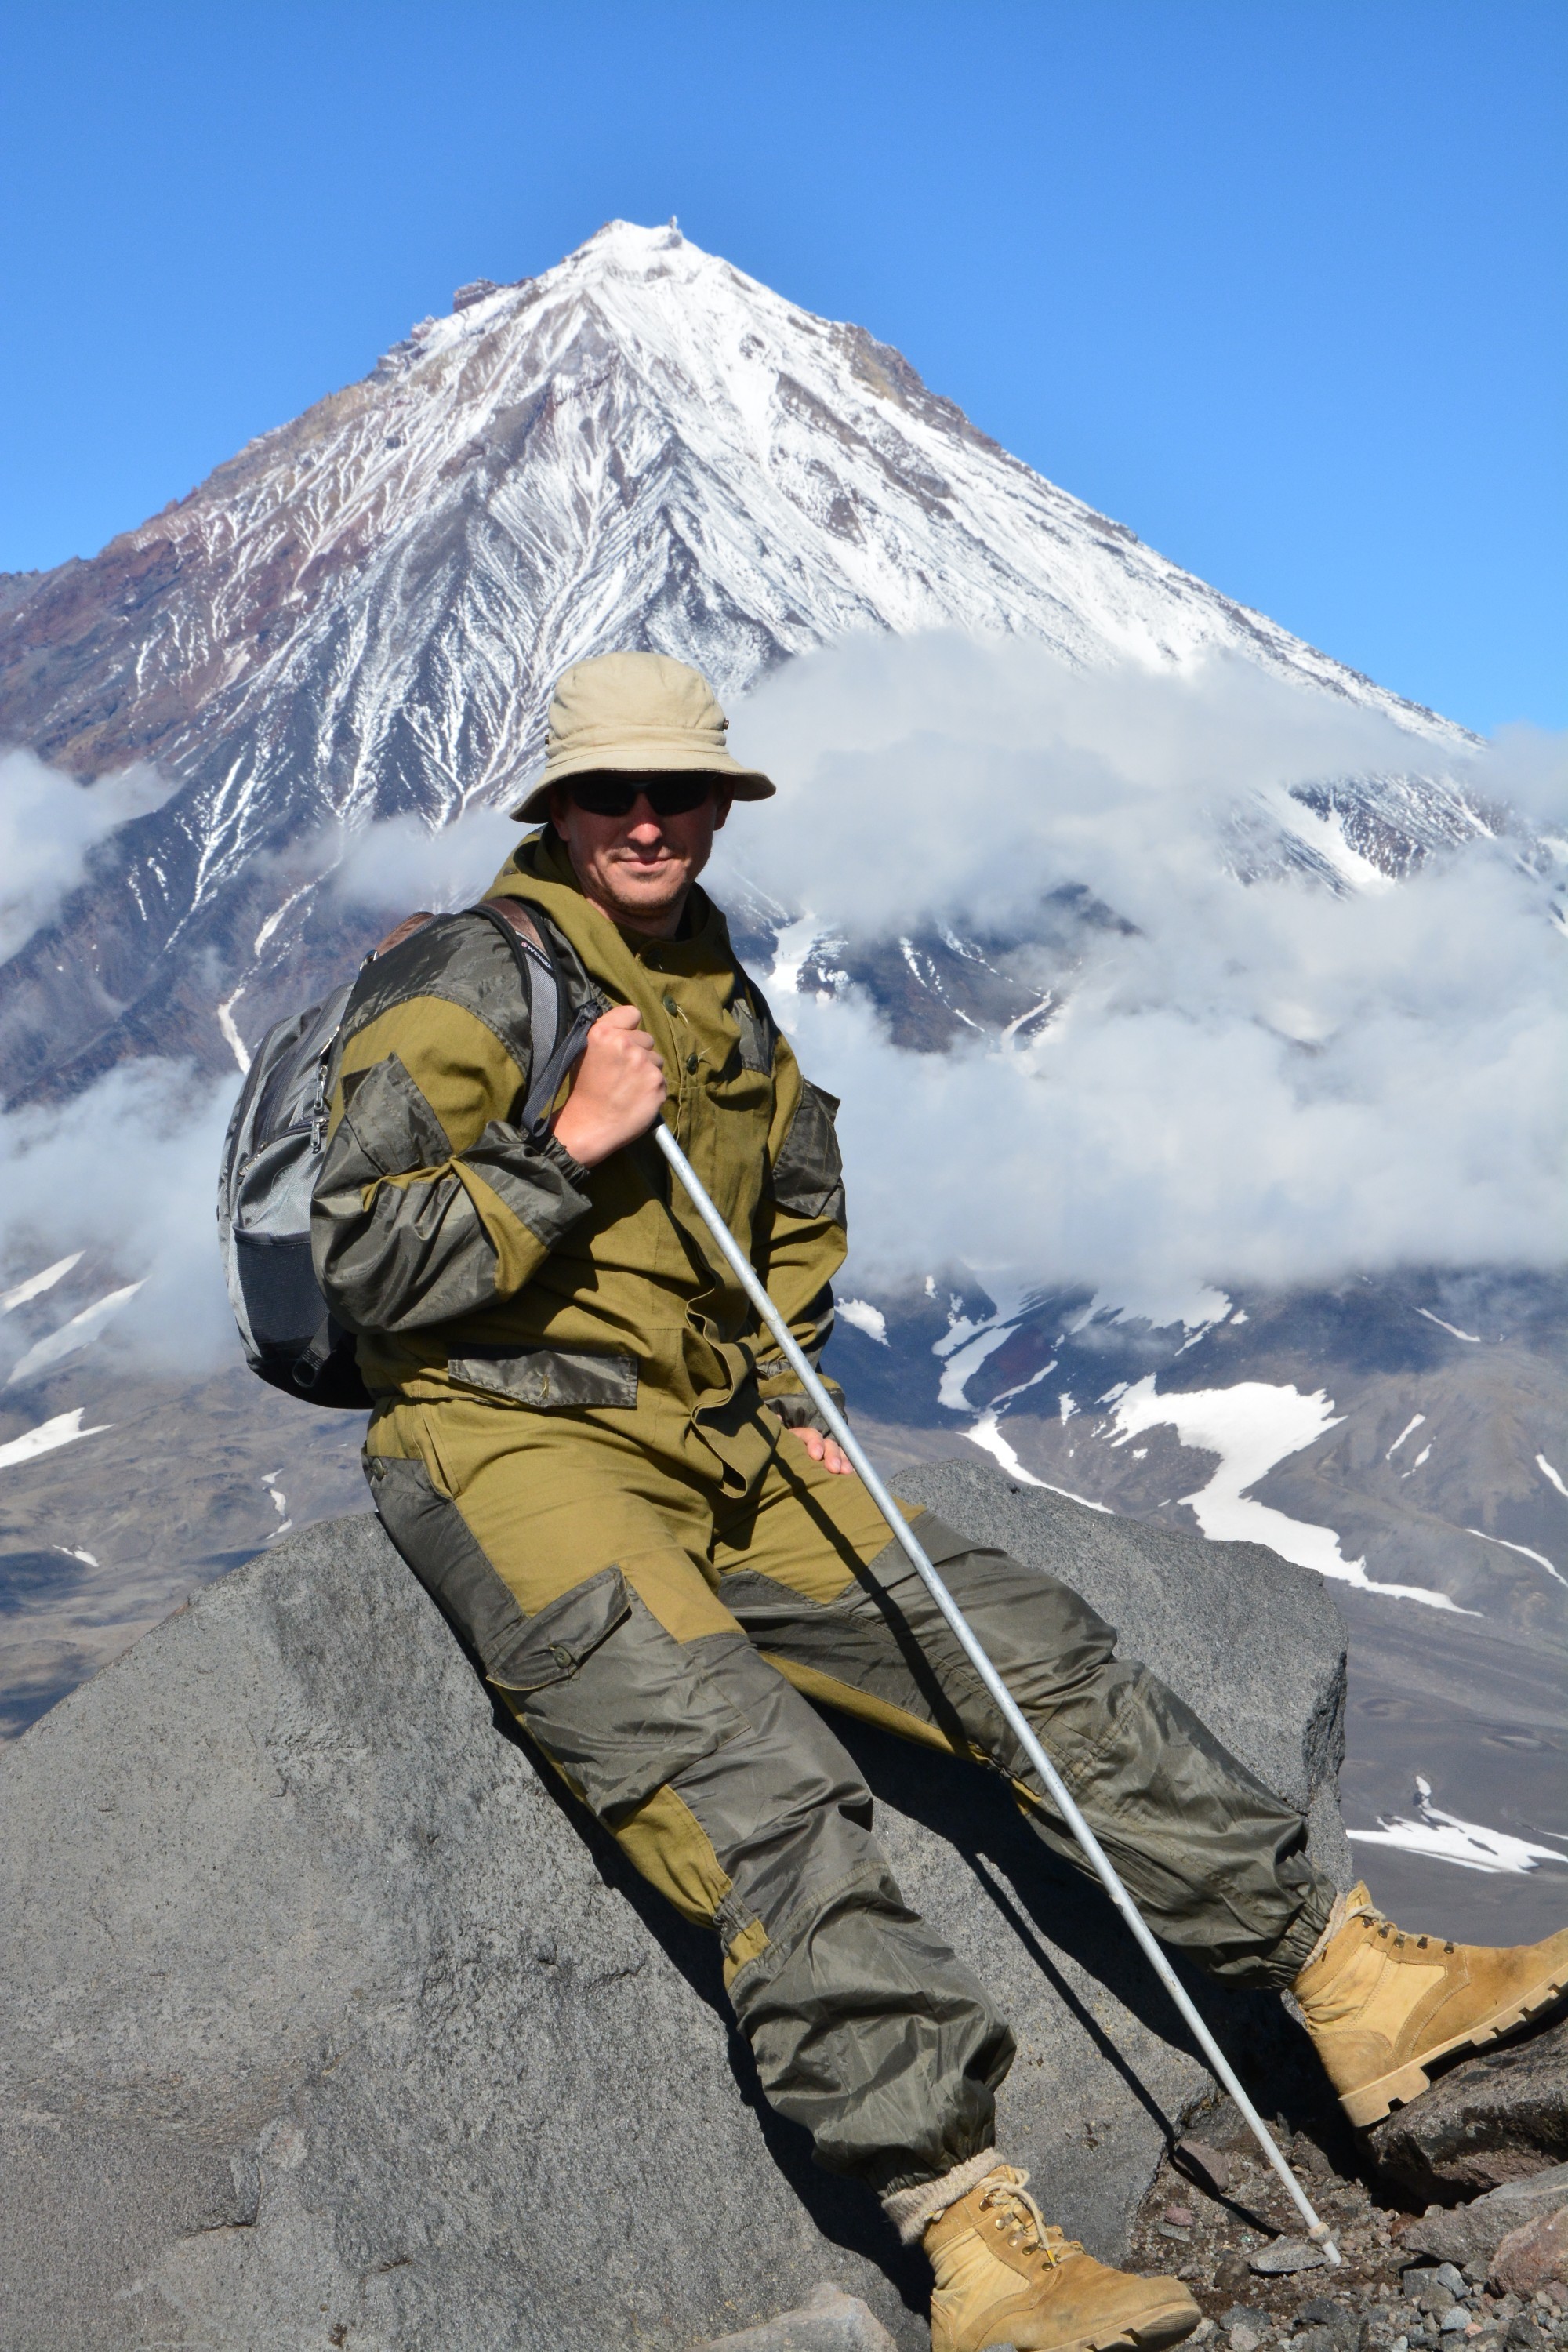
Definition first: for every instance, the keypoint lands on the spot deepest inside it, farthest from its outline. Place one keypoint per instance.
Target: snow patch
(1523, 1550)
(962, 1366)
(1413, 1423)
(791, 948)
(865, 1318)
(1443, 1837)
(1541, 1463)
(988, 1436)
(37, 1284)
(231, 1036)
(1453, 1329)
(79, 1332)
(61, 1430)
(1251, 1427)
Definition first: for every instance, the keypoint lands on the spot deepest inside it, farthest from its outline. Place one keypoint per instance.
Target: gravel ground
(1216, 2207)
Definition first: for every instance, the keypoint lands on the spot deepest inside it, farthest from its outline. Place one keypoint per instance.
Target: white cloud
(1266, 1081)
(49, 826)
(1270, 1083)
(399, 865)
(130, 1169)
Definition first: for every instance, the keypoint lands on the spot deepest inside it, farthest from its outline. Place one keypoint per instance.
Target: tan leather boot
(1003, 2277)
(1382, 2006)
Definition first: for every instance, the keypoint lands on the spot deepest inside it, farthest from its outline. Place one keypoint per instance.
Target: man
(610, 1481)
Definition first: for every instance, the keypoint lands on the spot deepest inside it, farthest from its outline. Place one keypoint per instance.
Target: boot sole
(1150, 2332)
(1374, 2100)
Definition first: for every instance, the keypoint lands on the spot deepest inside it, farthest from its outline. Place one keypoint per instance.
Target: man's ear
(722, 804)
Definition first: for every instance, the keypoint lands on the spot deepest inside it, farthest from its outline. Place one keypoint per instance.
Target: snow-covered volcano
(361, 614)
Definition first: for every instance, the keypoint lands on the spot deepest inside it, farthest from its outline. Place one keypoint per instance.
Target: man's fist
(618, 1088)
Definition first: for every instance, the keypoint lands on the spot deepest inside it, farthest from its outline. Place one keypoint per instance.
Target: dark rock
(1524, 2335)
(1493, 2118)
(1246, 2314)
(474, 291)
(1472, 2233)
(1433, 2288)
(1331, 2325)
(1210, 2167)
(320, 1995)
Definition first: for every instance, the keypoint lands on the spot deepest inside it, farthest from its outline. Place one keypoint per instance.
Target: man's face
(638, 867)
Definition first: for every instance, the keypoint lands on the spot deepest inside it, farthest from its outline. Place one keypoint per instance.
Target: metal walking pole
(1013, 1715)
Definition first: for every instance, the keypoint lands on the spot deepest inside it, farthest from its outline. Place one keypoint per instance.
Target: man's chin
(655, 908)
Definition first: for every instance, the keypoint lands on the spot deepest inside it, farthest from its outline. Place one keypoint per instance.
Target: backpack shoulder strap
(552, 982)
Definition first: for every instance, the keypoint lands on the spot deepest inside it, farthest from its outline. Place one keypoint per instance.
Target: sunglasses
(617, 795)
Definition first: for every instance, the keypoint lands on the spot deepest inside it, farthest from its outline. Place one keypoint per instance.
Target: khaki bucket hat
(641, 713)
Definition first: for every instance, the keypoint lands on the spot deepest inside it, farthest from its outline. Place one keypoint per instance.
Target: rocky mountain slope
(325, 2000)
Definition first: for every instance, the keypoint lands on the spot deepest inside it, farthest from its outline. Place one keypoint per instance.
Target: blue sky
(1280, 286)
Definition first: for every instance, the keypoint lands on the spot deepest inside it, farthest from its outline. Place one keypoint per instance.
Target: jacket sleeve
(430, 1203)
(802, 1238)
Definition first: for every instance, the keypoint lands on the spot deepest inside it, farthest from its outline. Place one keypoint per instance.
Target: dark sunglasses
(617, 795)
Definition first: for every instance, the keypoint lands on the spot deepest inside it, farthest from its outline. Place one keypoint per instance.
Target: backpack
(273, 1150)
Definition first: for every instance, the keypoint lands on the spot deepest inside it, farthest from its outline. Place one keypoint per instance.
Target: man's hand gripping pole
(746, 1275)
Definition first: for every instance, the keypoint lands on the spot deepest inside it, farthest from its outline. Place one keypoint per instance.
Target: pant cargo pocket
(617, 1702)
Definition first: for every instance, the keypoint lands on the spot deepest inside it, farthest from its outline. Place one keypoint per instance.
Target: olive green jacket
(471, 1258)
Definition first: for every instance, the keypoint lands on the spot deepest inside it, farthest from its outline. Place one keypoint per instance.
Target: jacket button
(691, 1061)
(669, 1003)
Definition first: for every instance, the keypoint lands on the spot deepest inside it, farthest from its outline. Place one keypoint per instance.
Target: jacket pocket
(552, 1379)
(615, 1701)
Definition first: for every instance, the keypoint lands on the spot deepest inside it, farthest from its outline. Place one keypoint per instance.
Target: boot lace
(1022, 2222)
(1383, 1926)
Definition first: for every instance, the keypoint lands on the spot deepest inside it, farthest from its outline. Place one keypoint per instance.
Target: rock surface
(1473, 2233)
(332, 2022)
(830, 2322)
(1495, 2117)
(1533, 2253)
(1377, 2300)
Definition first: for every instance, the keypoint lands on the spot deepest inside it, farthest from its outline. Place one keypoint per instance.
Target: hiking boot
(1003, 2277)
(1382, 2006)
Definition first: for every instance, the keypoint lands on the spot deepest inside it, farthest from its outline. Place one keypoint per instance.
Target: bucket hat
(641, 713)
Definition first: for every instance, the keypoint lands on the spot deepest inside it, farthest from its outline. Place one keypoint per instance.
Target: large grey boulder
(330, 2021)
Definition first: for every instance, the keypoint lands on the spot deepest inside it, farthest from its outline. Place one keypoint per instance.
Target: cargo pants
(659, 1639)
